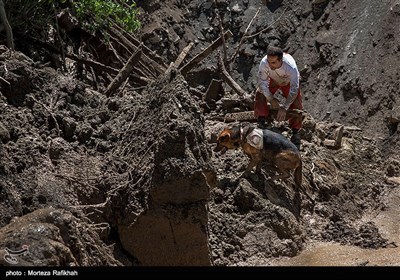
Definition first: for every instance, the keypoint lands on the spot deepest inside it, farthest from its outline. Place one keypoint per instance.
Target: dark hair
(275, 51)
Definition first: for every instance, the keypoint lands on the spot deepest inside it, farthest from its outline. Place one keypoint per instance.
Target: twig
(124, 185)
(50, 112)
(130, 123)
(228, 79)
(312, 168)
(115, 53)
(96, 65)
(123, 86)
(4, 80)
(266, 28)
(77, 180)
(96, 85)
(221, 29)
(149, 72)
(103, 204)
(243, 37)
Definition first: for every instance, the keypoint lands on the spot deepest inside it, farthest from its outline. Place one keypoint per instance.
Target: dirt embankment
(133, 177)
(131, 171)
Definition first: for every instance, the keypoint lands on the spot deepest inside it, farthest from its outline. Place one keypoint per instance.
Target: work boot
(296, 140)
(261, 122)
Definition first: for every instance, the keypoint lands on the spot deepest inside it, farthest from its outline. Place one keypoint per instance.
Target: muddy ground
(131, 179)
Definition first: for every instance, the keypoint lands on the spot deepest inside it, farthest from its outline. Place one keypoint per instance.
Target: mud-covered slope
(133, 176)
(346, 51)
(132, 171)
(255, 219)
(352, 55)
(160, 197)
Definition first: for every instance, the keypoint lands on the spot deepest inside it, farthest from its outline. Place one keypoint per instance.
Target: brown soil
(89, 180)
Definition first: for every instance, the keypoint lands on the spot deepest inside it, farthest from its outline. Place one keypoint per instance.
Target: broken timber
(124, 73)
(186, 68)
(228, 79)
(180, 58)
(248, 116)
(183, 54)
(160, 69)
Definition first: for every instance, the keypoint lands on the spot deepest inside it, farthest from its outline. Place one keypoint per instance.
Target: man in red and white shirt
(278, 84)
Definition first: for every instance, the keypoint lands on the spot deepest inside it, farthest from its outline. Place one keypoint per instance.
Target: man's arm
(263, 80)
(294, 87)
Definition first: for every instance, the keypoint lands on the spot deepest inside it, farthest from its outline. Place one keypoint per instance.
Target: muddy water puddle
(334, 254)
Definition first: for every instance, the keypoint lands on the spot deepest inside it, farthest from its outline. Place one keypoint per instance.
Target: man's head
(275, 55)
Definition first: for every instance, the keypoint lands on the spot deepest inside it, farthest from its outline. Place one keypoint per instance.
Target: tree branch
(228, 79)
(244, 36)
(7, 26)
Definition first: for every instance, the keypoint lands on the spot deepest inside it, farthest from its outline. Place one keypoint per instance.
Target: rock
(246, 197)
(329, 143)
(4, 133)
(53, 237)
(394, 117)
(337, 135)
(84, 132)
(213, 91)
(69, 127)
(393, 180)
(308, 128)
(236, 9)
(57, 148)
(336, 143)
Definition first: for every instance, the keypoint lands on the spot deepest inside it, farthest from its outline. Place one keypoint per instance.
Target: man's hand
(274, 104)
(281, 116)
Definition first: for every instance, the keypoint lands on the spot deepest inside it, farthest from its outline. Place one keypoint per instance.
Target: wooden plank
(186, 68)
(182, 55)
(124, 73)
(249, 115)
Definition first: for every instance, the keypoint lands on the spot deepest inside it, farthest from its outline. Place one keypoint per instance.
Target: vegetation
(29, 16)
(123, 12)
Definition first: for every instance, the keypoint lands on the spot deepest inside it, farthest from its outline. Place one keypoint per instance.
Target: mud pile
(133, 176)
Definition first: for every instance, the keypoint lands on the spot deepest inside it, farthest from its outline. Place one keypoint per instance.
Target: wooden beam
(160, 69)
(186, 68)
(124, 73)
(228, 79)
(183, 55)
(249, 115)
